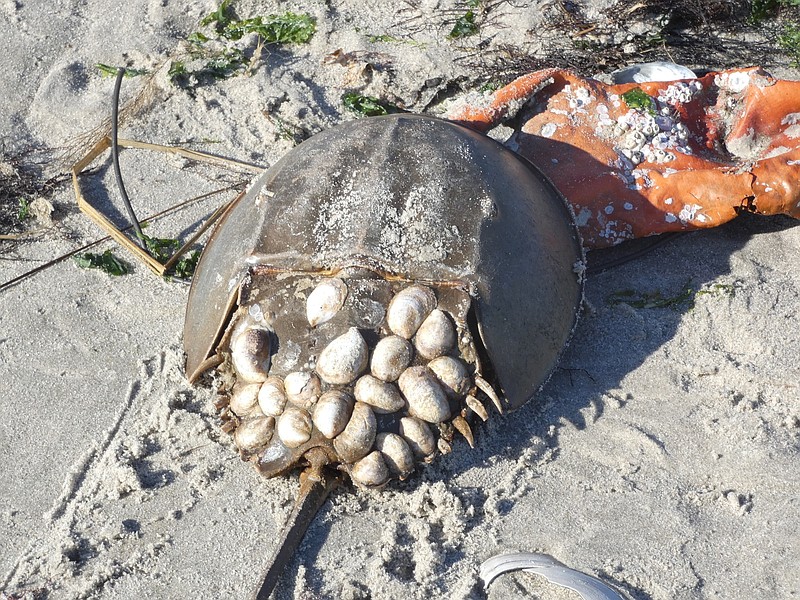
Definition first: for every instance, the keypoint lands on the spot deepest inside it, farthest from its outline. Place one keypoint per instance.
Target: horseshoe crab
(374, 289)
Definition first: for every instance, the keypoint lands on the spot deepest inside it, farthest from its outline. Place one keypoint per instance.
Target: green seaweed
(464, 26)
(219, 17)
(717, 289)
(789, 41)
(288, 28)
(161, 249)
(216, 54)
(185, 267)
(106, 262)
(225, 63)
(638, 99)
(385, 37)
(655, 299)
(367, 106)
(24, 210)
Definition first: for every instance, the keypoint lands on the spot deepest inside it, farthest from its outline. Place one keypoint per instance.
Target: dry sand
(663, 455)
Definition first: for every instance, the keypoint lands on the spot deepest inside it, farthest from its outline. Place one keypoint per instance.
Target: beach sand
(663, 456)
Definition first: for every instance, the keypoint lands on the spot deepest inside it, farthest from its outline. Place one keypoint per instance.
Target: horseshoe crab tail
(316, 483)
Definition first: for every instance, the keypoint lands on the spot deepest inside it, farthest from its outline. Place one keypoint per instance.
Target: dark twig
(115, 159)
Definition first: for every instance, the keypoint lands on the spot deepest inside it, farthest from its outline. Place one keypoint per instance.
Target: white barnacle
(408, 309)
(294, 427)
(344, 359)
(370, 471)
(436, 336)
(391, 357)
(302, 388)
(272, 397)
(332, 412)
(357, 438)
(244, 398)
(383, 397)
(325, 301)
(419, 436)
(396, 453)
(426, 398)
(689, 212)
(254, 433)
(452, 374)
(250, 354)
(548, 129)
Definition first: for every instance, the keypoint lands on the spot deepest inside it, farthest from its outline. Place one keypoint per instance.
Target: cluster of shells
(654, 137)
(412, 380)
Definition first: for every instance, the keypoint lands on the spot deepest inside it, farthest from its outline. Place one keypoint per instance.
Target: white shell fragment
(396, 454)
(272, 397)
(391, 357)
(302, 389)
(452, 374)
(250, 354)
(384, 398)
(419, 436)
(370, 471)
(588, 587)
(436, 336)
(252, 434)
(426, 398)
(358, 436)
(294, 427)
(652, 71)
(332, 412)
(325, 301)
(244, 398)
(408, 309)
(344, 359)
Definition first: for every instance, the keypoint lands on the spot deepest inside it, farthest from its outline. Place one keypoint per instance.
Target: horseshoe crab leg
(316, 483)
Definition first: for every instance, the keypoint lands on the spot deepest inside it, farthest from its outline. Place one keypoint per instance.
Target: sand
(662, 456)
